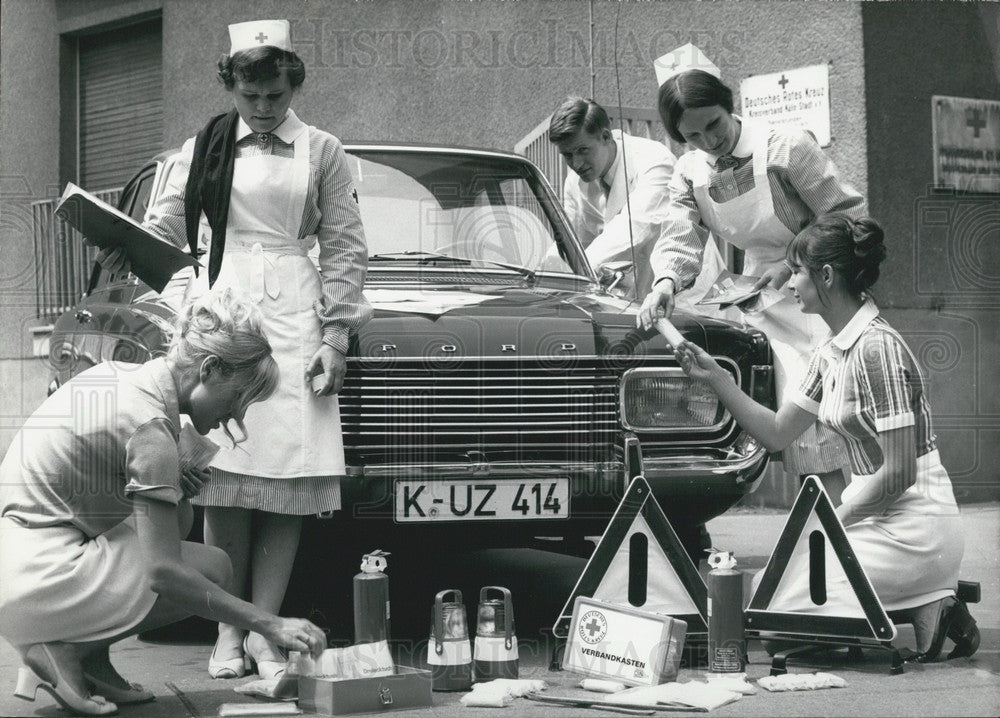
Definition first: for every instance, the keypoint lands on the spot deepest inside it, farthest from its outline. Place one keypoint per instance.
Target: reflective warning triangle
(813, 585)
(640, 562)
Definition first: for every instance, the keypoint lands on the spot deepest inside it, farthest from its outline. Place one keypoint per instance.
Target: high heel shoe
(122, 696)
(228, 668)
(953, 621)
(269, 667)
(963, 631)
(28, 683)
(930, 625)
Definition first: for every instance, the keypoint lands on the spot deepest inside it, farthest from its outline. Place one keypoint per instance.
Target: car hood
(423, 321)
(504, 323)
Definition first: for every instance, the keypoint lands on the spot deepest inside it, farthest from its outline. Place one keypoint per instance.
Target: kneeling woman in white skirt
(899, 509)
(93, 508)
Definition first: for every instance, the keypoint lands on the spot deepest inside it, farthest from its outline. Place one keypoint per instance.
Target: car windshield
(481, 211)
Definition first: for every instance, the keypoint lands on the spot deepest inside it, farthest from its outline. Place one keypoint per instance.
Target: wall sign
(966, 143)
(792, 98)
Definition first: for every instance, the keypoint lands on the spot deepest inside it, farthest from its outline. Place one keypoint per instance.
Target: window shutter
(121, 103)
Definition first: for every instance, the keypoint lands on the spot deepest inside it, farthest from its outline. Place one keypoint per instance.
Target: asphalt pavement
(172, 662)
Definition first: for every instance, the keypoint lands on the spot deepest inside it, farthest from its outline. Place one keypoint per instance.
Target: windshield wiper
(413, 254)
(529, 274)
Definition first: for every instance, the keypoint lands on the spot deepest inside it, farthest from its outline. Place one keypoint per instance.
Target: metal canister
(449, 651)
(495, 648)
(726, 639)
(371, 599)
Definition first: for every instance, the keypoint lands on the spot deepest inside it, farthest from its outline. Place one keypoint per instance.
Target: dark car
(501, 396)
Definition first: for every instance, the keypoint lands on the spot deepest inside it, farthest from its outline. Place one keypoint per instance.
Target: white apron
(293, 433)
(749, 223)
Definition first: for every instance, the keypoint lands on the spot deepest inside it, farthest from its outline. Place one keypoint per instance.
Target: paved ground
(173, 666)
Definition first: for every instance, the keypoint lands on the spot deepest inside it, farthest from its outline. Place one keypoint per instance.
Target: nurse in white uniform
(863, 382)
(94, 509)
(268, 187)
(754, 186)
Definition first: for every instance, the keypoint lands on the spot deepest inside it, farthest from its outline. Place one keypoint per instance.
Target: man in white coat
(603, 163)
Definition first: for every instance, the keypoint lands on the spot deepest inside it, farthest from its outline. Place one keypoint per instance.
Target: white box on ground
(638, 648)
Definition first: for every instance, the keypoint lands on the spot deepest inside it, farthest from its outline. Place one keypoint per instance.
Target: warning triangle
(813, 585)
(640, 562)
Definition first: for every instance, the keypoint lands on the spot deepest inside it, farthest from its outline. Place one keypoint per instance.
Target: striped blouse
(804, 184)
(331, 213)
(865, 381)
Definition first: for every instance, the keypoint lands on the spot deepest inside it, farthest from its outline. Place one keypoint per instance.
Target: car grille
(435, 409)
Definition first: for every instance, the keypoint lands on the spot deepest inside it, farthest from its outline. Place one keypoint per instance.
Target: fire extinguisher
(726, 639)
(371, 599)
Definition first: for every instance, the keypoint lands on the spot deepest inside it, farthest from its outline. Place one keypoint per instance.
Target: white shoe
(270, 663)
(122, 696)
(227, 668)
(28, 683)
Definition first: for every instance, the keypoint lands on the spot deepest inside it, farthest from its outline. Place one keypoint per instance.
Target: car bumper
(690, 487)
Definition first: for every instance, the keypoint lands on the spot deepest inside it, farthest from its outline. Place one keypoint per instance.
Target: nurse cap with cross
(256, 33)
(684, 58)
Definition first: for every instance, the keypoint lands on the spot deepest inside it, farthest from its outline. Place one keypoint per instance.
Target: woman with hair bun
(754, 186)
(94, 507)
(267, 187)
(899, 510)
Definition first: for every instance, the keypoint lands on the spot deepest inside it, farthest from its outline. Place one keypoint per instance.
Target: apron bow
(263, 279)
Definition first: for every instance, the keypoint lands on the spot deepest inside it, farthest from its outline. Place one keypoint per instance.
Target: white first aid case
(638, 648)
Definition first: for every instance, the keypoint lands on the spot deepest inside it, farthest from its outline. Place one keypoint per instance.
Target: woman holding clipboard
(756, 187)
(267, 188)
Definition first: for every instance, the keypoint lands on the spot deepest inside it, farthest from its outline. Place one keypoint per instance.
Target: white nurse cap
(684, 58)
(245, 35)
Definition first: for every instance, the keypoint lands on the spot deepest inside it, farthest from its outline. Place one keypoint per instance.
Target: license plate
(481, 500)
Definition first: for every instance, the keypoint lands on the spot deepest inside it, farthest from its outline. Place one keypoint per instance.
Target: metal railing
(635, 121)
(63, 260)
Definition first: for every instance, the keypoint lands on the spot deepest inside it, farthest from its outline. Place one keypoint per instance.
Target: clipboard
(153, 259)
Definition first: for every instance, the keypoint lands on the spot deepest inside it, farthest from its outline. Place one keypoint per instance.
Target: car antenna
(621, 122)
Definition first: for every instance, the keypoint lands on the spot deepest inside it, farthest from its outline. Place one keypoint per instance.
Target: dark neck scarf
(209, 184)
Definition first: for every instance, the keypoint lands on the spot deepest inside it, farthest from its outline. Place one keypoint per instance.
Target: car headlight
(667, 398)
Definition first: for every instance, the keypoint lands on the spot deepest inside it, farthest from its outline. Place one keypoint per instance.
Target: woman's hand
(297, 634)
(192, 481)
(777, 277)
(697, 363)
(113, 260)
(658, 303)
(332, 365)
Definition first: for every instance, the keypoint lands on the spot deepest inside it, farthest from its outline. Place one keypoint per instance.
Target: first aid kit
(638, 648)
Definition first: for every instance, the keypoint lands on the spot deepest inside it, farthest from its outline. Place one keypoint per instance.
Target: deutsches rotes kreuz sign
(966, 143)
(791, 98)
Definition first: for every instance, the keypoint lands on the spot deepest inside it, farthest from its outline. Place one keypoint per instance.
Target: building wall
(947, 49)
(485, 73)
(29, 88)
